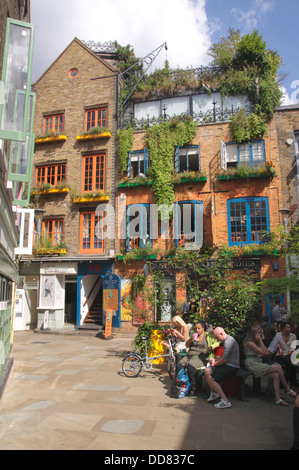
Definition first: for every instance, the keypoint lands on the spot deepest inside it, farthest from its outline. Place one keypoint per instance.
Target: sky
(189, 27)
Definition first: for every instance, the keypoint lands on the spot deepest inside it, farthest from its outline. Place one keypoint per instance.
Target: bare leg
(214, 386)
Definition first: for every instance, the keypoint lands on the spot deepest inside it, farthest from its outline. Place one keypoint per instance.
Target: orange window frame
(50, 174)
(53, 123)
(52, 229)
(97, 117)
(91, 232)
(93, 172)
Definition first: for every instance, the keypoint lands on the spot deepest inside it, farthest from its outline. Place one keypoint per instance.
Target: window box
(53, 138)
(129, 183)
(189, 177)
(82, 199)
(267, 171)
(49, 191)
(93, 136)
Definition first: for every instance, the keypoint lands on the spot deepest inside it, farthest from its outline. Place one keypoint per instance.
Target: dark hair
(202, 323)
(285, 323)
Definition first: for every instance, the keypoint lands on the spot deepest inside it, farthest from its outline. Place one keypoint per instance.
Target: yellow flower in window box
(95, 133)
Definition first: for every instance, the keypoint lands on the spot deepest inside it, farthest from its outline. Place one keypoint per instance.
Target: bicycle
(134, 362)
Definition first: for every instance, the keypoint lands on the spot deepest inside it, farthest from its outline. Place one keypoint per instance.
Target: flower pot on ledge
(83, 199)
(51, 190)
(91, 136)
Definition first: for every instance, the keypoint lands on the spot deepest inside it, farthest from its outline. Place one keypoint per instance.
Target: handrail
(88, 297)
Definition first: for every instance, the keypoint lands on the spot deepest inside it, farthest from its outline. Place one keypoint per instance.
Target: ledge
(131, 184)
(44, 140)
(83, 199)
(191, 180)
(103, 135)
(52, 190)
(240, 177)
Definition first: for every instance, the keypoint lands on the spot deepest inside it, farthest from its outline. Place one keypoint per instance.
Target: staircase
(95, 314)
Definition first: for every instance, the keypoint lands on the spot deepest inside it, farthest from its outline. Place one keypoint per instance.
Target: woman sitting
(180, 332)
(197, 354)
(286, 346)
(254, 349)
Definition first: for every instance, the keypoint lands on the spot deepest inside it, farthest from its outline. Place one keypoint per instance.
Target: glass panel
(238, 222)
(258, 220)
(86, 231)
(244, 152)
(16, 78)
(257, 153)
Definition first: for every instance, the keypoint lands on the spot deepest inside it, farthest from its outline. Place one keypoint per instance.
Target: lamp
(285, 216)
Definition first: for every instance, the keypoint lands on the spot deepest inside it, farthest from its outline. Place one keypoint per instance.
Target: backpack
(180, 386)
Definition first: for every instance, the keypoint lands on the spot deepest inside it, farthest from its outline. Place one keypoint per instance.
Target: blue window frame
(250, 154)
(188, 224)
(138, 163)
(248, 220)
(187, 158)
(138, 231)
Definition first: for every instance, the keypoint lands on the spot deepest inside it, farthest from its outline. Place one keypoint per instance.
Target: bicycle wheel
(171, 367)
(132, 365)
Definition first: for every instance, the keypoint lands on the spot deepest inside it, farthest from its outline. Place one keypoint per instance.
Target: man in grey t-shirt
(222, 368)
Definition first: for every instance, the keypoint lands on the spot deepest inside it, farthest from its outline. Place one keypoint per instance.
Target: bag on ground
(180, 385)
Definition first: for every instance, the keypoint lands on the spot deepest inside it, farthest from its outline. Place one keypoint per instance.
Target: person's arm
(260, 349)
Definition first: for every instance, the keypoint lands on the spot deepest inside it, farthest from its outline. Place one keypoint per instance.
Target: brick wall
(287, 122)
(214, 193)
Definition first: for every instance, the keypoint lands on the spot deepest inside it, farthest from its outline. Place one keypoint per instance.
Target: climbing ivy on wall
(248, 68)
(162, 140)
(125, 144)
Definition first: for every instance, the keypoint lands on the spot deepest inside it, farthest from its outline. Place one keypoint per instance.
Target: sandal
(292, 394)
(281, 402)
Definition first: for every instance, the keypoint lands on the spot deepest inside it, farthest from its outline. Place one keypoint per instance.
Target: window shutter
(199, 158)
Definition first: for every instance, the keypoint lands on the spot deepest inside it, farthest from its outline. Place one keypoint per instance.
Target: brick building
(73, 178)
(231, 208)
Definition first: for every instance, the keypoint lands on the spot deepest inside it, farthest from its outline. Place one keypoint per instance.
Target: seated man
(222, 368)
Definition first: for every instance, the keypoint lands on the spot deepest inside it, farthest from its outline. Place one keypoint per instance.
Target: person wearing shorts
(222, 368)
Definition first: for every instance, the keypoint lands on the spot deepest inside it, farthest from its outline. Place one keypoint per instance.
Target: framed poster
(47, 291)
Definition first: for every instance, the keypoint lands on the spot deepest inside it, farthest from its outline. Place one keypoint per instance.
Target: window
(50, 174)
(93, 171)
(138, 163)
(250, 154)
(189, 224)
(91, 232)
(187, 158)
(53, 230)
(138, 226)
(53, 124)
(95, 118)
(248, 220)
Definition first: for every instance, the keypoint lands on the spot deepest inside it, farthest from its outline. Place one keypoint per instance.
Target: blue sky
(189, 27)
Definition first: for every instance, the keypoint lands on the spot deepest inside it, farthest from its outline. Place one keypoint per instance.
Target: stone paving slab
(69, 393)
